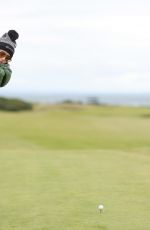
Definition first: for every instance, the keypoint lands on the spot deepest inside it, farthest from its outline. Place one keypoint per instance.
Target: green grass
(57, 164)
(82, 127)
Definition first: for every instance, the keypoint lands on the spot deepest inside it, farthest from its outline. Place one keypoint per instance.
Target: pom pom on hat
(13, 35)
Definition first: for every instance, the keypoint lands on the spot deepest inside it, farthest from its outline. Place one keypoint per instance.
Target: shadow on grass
(100, 227)
(145, 116)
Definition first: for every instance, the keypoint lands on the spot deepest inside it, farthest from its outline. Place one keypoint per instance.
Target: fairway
(58, 164)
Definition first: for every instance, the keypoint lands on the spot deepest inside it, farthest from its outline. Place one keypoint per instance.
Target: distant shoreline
(107, 99)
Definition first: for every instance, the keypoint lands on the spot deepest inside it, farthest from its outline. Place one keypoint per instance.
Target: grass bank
(77, 127)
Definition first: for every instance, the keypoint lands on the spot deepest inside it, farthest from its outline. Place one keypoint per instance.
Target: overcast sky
(99, 46)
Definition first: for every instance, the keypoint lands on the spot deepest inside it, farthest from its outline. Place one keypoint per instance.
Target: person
(7, 49)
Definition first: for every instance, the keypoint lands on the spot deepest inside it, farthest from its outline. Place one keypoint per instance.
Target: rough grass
(58, 164)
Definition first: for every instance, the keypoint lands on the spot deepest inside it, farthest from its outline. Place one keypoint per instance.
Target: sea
(136, 100)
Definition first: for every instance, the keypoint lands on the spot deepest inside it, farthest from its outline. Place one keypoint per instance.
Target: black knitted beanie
(8, 42)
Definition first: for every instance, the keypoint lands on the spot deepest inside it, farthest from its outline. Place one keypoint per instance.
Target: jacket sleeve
(5, 74)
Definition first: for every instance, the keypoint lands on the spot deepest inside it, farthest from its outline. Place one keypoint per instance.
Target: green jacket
(5, 74)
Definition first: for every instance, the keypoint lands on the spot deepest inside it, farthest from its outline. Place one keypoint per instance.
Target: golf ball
(101, 207)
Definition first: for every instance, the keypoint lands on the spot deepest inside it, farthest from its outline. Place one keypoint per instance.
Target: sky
(79, 46)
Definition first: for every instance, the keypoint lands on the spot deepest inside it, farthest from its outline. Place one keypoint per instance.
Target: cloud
(79, 45)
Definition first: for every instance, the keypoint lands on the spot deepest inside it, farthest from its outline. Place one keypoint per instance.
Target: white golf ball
(101, 207)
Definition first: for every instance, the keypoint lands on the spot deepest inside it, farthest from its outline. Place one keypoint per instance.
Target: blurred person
(7, 49)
